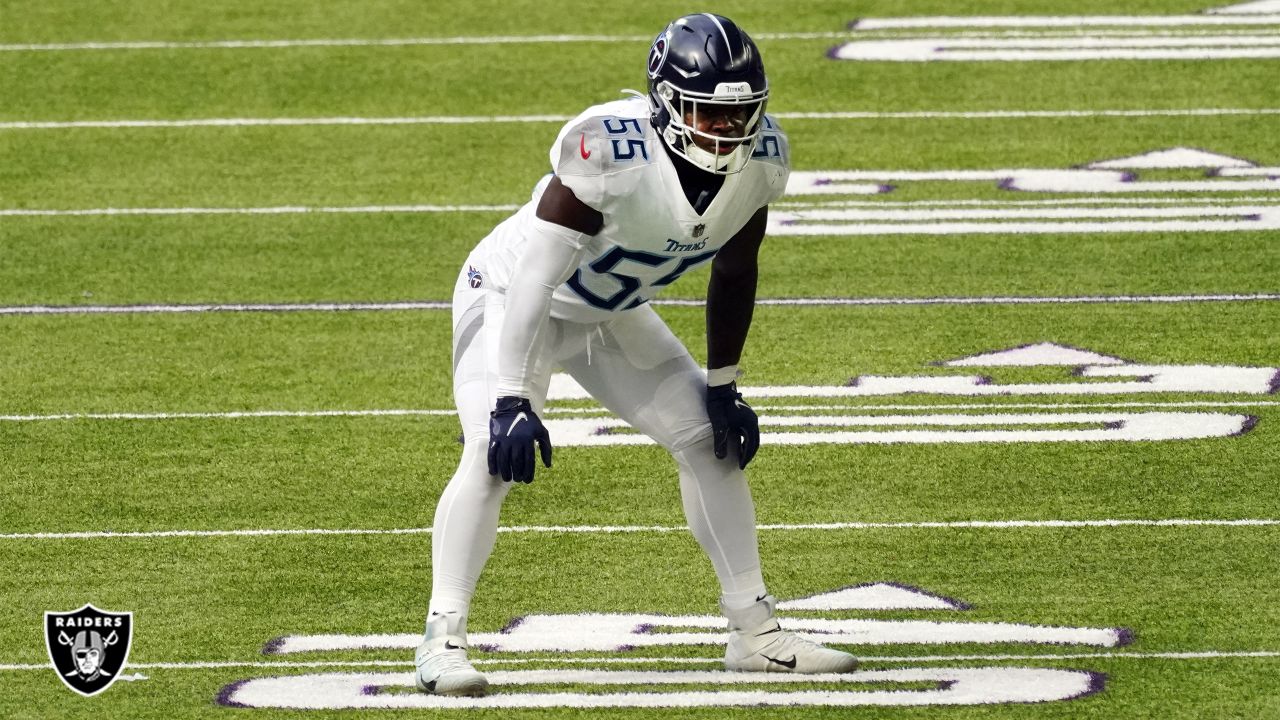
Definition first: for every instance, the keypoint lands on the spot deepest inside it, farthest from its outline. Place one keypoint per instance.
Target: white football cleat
(757, 643)
(442, 665)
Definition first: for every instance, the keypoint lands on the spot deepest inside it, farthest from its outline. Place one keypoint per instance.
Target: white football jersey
(613, 160)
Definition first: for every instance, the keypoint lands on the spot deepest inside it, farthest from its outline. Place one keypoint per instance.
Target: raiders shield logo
(88, 647)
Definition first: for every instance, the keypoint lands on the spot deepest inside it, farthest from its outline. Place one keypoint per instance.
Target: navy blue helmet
(707, 90)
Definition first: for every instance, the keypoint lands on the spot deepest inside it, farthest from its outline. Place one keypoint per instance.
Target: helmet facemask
(714, 131)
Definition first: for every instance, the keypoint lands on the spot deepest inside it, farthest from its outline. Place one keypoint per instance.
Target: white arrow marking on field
(1172, 158)
(876, 596)
(1257, 7)
(1039, 354)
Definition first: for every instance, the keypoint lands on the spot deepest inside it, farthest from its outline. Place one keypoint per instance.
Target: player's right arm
(554, 245)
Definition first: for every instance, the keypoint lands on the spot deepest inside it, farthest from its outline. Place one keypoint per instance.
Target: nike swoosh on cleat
(450, 646)
(788, 664)
(769, 632)
(582, 148)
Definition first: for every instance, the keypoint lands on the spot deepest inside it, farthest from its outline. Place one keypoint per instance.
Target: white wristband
(722, 376)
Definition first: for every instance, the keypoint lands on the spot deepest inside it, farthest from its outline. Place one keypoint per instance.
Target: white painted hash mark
(1060, 49)
(629, 529)
(1026, 221)
(1059, 21)
(816, 429)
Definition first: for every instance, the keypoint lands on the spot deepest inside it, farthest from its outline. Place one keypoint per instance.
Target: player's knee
(693, 437)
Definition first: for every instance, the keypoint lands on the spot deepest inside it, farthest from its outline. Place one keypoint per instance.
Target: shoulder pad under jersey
(772, 146)
(596, 148)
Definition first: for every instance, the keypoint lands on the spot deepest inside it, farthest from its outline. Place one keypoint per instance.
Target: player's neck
(700, 187)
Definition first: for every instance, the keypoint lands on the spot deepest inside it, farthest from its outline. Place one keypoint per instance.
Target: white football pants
(634, 366)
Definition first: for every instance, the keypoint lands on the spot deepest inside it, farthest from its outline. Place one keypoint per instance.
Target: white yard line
(270, 210)
(423, 41)
(1101, 201)
(498, 119)
(385, 42)
(228, 307)
(997, 300)
(418, 412)
(1004, 406)
(325, 42)
(765, 302)
(659, 529)
(1016, 26)
(299, 664)
(233, 415)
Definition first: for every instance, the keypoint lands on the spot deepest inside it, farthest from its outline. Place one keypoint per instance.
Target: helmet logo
(733, 89)
(657, 55)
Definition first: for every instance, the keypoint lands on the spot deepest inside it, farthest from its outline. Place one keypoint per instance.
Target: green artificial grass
(1198, 598)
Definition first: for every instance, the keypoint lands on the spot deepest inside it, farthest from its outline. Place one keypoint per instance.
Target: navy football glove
(733, 422)
(513, 429)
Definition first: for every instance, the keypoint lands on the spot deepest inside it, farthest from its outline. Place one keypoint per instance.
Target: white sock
(717, 504)
(464, 531)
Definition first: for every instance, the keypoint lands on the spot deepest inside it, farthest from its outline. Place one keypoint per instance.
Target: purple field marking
(1250, 422)
(1275, 384)
(224, 695)
(1097, 683)
(274, 645)
(1125, 637)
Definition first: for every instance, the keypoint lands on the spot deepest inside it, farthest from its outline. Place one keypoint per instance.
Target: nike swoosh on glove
(733, 422)
(513, 429)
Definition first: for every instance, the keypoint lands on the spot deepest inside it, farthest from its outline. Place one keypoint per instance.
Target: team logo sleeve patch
(88, 647)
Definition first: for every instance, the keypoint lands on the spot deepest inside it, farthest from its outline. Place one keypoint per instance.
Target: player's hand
(733, 423)
(513, 429)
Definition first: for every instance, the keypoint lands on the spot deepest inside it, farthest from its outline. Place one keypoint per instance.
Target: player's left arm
(731, 297)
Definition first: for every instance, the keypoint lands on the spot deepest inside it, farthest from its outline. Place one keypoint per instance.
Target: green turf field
(1016, 358)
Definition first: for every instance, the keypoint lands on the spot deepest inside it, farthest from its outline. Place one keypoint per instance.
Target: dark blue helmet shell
(708, 59)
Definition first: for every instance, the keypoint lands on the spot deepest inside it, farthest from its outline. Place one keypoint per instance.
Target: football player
(642, 191)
